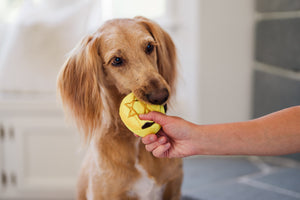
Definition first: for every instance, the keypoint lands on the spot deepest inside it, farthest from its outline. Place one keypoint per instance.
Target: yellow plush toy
(129, 111)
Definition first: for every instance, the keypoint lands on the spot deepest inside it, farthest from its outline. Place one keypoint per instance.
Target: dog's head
(123, 56)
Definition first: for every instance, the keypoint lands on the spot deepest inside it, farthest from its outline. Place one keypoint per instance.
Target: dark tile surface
(216, 169)
(273, 93)
(277, 5)
(295, 156)
(240, 178)
(189, 198)
(284, 178)
(235, 191)
(278, 43)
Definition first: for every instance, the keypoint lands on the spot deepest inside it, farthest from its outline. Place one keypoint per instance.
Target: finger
(152, 146)
(161, 141)
(161, 150)
(157, 117)
(149, 139)
(161, 133)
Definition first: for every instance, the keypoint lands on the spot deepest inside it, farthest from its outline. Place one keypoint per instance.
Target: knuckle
(151, 146)
(158, 152)
(148, 148)
(145, 140)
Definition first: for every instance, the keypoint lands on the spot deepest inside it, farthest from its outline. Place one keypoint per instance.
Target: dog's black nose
(158, 97)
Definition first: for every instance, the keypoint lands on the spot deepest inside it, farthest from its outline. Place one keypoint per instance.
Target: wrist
(210, 140)
(196, 140)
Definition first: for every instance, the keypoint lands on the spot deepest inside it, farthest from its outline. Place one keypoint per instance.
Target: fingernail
(167, 145)
(161, 140)
(142, 115)
(152, 138)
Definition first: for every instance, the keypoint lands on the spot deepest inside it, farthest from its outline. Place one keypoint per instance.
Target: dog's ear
(166, 51)
(79, 85)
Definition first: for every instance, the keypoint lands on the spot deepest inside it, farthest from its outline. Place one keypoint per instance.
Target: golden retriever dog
(124, 55)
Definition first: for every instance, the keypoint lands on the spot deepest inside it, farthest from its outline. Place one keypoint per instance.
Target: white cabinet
(39, 154)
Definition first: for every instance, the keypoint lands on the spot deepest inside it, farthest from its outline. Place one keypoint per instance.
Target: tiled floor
(241, 178)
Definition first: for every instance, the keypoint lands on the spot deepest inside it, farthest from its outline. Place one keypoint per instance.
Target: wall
(226, 60)
(277, 50)
(185, 17)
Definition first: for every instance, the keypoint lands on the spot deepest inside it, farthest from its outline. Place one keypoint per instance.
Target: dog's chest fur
(145, 187)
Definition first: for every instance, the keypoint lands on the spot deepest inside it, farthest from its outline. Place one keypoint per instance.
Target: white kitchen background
(40, 154)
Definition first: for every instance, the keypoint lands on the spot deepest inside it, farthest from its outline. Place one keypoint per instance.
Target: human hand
(261, 136)
(175, 139)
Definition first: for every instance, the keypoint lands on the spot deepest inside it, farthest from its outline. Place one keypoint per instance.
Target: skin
(277, 133)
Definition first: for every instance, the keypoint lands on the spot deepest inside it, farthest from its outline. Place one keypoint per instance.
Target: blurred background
(238, 60)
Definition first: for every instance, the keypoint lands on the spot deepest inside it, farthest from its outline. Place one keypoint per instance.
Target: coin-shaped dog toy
(129, 111)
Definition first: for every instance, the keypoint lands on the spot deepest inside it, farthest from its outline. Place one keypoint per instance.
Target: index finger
(157, 117)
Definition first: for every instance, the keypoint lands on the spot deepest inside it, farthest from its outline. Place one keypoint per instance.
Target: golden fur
(92, 84)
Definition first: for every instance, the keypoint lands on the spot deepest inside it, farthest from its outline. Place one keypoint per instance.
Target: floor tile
(218, 178)
(288, 178)
(201, 171)
(236, 191)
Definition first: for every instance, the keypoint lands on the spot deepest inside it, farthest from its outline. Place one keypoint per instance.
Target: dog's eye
(149, 48)
(117, 61)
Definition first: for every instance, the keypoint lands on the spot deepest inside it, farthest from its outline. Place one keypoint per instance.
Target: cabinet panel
(41, 158)
(39, 153)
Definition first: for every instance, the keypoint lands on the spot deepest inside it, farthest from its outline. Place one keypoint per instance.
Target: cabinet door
(41, 158)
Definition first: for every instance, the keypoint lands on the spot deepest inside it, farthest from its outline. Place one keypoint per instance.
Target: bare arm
(274, 134)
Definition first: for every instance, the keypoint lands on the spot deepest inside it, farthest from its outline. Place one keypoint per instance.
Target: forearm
(274, 134)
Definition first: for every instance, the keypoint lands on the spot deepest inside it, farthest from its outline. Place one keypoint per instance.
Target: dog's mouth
(149, 124)
(166, 107)
(154, 97)
(147, 102)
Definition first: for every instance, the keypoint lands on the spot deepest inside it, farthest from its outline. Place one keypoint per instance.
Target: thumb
(157, 117)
